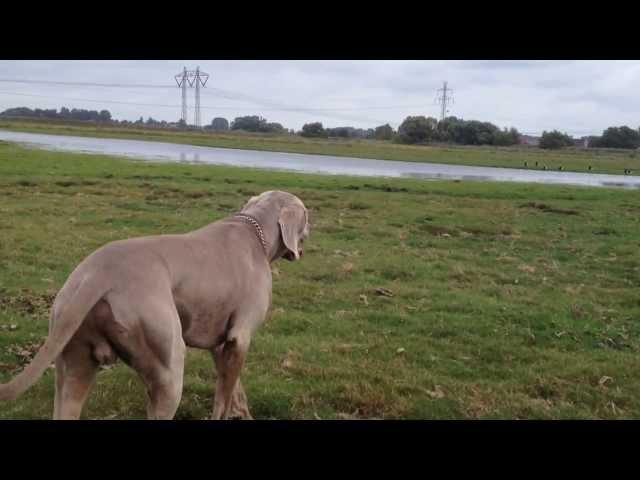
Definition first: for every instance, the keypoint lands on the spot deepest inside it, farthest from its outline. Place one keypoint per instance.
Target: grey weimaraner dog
(145, 299)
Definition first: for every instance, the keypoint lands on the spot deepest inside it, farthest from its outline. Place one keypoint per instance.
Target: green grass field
(509, 300)
(578, 160)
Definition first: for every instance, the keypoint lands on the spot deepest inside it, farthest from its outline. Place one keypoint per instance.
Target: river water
(305, 163)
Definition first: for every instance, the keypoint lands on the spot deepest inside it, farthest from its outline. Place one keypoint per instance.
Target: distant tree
(83, 115)
(65, 113)
(474, 132)
(182, 123)
(417, 129)
(47, 113)
(273, 127)
(18, 112)
(505, 137)
(219, 124)
(384, 132)
(448, 130)
(255, 123)
(346, 132)
(104, 116)
(515, 135)
(619, 137)
(249, 123)
(342, 132)
(314, 130)
(555, 140)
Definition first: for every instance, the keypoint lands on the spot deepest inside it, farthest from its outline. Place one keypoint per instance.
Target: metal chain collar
(257, 226)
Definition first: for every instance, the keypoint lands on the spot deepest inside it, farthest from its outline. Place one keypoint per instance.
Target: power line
(290, 108)
(83, 84)
(314, 109)
(220, 92)
(219, 107)
(94, 100)
(212, 107)
(230, 95)
(206, 107)
(266, 105)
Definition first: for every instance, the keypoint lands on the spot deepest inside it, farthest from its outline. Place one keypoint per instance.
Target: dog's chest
(204, 323)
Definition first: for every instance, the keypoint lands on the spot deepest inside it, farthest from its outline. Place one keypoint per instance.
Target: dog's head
(292, 219)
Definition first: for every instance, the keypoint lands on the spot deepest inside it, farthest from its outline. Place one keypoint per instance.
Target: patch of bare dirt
(27, 302)
(549, 209)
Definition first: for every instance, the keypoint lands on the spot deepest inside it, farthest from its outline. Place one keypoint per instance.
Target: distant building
(582, 142)
(529, 140)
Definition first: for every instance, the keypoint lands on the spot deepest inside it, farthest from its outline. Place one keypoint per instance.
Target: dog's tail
(65, 321)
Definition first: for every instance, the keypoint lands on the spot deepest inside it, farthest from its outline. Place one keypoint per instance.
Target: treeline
(317, 130)
(255, 123)
(149, 122)
(64, 114)
(413, 130)
(455, 130)
(80, 114)
(420, 129)
(618, 137)
(612, 137)
(424, 130)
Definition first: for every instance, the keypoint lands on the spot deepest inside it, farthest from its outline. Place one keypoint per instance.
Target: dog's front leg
(230, 398)
(239, 406)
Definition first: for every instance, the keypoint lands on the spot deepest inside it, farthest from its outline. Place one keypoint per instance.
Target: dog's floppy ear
(290, 220)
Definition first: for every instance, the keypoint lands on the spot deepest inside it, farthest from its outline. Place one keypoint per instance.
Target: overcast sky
(579, 97)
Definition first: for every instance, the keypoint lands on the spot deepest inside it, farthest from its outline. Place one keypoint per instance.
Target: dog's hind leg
(75, 373)
(148, 337)
(77, 365)
(164, 384)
